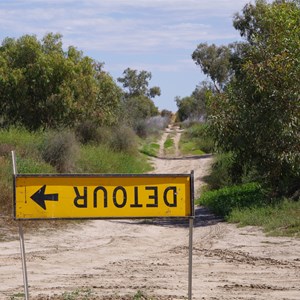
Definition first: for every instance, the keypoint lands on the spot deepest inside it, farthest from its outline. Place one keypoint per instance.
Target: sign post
(103, 196)
(21, 236)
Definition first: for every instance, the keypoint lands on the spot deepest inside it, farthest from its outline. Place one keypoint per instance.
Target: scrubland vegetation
(62, 152)
(61, 112)
(251, 109)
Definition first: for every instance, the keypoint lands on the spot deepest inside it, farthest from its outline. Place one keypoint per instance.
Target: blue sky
(158, 36)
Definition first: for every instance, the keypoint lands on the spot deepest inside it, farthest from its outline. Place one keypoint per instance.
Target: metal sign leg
(22, 247)
(21, 235)
(191, 223)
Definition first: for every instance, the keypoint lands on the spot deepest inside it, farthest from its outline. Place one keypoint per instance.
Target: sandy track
(119, 257)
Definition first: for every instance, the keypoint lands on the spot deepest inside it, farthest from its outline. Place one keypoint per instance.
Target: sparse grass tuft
(169, 146)
(190, 147)
(150, 149)
(101, 159)
(277, 220)
(196, 140)
(82, 294)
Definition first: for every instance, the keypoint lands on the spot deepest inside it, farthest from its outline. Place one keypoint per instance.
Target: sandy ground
(108, 259)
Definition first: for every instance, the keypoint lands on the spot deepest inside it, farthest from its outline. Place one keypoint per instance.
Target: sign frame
(85, 176)
(21, 235)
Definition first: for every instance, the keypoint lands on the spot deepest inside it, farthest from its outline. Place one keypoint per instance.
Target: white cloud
(131, 25)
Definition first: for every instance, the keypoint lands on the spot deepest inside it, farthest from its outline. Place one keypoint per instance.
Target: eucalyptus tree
(41, 85)
(256, 116)
(137, 101)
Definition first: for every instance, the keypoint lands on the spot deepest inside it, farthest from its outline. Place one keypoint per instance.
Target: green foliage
(279, 219)
(189, 147)
(136, 109)
(197, 137)
(137, 83)
(6, 186)
(220, 175)
(60, 150)
(108, 101)
(169, 142)
(33, 166)
(42, 86)
(150, 149)
(87, 132)
(224, 200)
(20, 140)
(214, 62)
(193, 108)
(137, 104)
(123, 139)
(139, 296)
(17, 296)
(256, 116)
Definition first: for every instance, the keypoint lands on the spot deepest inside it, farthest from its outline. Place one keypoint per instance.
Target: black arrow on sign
(40, 197)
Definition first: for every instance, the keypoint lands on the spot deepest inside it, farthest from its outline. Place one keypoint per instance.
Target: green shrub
(90, 133)
(123, 139)
(87, 132)
(60, 150)
(198, 135)
(224, 200)
(219, 176)
(189, 147)
(141, 129)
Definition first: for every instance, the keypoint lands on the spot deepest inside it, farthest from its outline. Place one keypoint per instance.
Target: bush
(151, 126)
(90, 133)
(123, 139)
(224, 200)
(220, 172)
(60, 149)
(87, 132)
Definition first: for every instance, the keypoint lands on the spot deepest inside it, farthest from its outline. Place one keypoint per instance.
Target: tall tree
(193, 107)
(214, 62)
(257, 117)
(137, 102)
(137, 83)
(41, 85)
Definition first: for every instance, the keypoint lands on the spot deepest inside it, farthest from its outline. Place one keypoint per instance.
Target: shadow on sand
(203, 217)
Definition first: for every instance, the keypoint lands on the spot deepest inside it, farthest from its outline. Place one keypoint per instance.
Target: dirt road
(109, 259)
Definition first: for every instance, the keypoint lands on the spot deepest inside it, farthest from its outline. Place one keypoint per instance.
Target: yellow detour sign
(102, 196)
